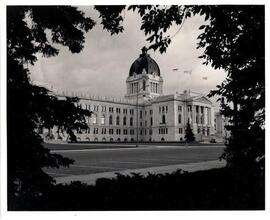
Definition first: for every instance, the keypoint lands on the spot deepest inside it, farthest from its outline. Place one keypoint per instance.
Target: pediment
(202, 99)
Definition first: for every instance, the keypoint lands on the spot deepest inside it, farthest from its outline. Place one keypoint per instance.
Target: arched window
(102, 119)
(131, 121)
(163, 119)
(162, 139)
(179, 119)
(110, 120)
(117, 120)
(124, 120)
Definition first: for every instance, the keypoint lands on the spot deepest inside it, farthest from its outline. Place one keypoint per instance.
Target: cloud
(103, 65)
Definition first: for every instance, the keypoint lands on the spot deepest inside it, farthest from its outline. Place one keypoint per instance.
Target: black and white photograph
(140, 107)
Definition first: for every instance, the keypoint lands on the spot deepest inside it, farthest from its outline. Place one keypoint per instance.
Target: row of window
(198, 120)
(118, 139)
(125, 111)
(190, 108)
(163, 109)
(163, 130)
(104, 139)
(102, 120)
(113, 131)
(104, 109)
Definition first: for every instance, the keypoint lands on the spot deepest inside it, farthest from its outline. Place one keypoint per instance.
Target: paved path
(190, 167)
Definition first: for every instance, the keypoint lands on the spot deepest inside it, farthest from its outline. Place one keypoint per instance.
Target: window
(166, 108)
(143, 85)
(151, 121)
(124, 120)
(102, 119)
(151, 112)
(179, 108)
(95, 130)
(94, 118)
(140, 114)
(179, 119)
(145, 123)
(110, 120)
(111, 109)
(118, 110)
(117, 120)
(163, 119)
(131, 121)
(150, 131)
(180, 130)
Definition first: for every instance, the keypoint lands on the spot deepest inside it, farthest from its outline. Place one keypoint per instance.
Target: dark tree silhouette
(30, 106)
(189, 136)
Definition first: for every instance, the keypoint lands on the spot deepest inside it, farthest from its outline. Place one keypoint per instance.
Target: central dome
(144, 62)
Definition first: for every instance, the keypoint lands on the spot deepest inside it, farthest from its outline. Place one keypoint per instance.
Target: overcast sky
(103, 65)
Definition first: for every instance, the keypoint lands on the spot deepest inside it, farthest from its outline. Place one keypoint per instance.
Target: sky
(103, 65)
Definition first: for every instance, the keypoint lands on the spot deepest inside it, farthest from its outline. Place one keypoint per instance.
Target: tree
(30, 106)
(189, 136)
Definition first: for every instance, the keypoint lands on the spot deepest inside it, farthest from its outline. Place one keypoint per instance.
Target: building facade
(145, 113)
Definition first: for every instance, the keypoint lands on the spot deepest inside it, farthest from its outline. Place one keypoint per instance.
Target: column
(209, 116)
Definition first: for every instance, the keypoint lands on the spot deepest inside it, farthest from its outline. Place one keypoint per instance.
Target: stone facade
(145, 113)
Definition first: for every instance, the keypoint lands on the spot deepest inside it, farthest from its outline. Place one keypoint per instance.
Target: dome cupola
(144, 62)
